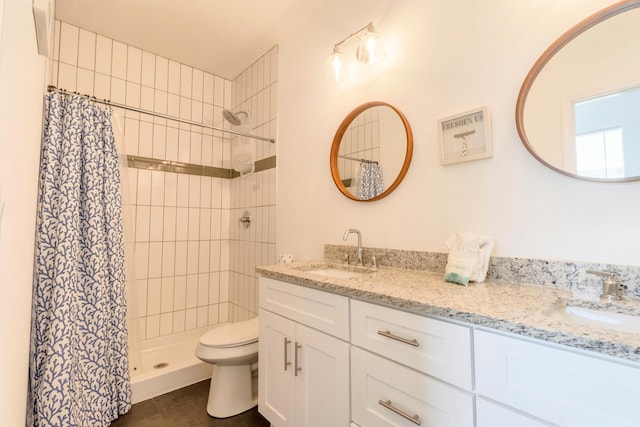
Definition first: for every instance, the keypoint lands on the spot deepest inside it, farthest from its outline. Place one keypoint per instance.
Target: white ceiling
(222, 37)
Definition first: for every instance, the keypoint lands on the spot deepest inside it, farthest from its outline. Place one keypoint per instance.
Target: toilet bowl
(232, 348)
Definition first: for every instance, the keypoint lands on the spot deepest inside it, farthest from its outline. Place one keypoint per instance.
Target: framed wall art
(465, 136)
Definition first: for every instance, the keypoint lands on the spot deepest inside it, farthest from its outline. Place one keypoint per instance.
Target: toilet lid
(232, 334)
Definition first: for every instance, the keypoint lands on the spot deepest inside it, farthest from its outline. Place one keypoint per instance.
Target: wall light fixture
(370, 51)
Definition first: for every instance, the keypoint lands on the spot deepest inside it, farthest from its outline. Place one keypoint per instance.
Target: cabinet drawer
(441, 349)
(376, 381)
(320, 310)
(556, 385)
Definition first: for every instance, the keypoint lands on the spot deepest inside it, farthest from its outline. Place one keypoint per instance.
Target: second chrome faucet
(356, 231)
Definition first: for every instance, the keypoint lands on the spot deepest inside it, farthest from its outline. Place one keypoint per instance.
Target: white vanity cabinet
(403, 368)
(555, 385)
(303, 356)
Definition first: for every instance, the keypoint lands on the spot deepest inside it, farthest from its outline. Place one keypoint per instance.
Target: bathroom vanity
(342, 345)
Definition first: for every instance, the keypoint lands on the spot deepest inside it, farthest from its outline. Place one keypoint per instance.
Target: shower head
(232, 117)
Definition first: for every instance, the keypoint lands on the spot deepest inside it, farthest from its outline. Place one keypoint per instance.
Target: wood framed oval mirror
(577, 108)
(371, 151)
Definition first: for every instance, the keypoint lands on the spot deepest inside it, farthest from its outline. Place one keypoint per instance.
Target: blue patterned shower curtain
(79, 373)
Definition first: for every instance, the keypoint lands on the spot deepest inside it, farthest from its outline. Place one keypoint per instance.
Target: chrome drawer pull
(388, 334)
(286, 362)
(387, 404)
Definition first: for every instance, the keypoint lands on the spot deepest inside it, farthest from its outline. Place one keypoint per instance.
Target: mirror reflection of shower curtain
(243, 151)
(128, 223)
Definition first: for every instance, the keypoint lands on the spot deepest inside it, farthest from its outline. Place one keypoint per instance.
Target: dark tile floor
(184, 407)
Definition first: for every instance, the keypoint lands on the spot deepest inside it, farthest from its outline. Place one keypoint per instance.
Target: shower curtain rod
(357, 160)
(52, 88)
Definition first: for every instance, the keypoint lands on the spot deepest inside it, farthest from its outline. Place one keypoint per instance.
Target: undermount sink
(335, 271)
(595, 317)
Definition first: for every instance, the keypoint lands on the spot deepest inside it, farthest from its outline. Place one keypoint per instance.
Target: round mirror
(578, 108)
(371, 151)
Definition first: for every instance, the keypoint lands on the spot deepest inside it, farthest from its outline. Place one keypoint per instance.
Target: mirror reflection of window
(600, 154)
(607, 129)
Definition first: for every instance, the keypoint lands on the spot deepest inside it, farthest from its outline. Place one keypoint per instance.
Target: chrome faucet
(346, 234)
(612, 287)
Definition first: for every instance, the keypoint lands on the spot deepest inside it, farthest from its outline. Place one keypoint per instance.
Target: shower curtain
(79, 374)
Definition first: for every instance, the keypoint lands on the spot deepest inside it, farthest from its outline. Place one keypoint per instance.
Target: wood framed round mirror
(577, 108)
(371, 151)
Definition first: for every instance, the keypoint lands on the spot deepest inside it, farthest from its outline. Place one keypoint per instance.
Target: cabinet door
(385, 394)
(276, 382)
(322, 384)
(556, 385)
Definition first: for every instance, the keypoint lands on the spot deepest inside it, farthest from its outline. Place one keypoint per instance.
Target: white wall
(22, 74)
(443, 57)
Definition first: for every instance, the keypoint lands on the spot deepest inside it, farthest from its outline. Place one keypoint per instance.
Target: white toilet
(233, 349)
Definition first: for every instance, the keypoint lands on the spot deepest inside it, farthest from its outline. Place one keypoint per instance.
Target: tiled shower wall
(187, 274)
(361, 140)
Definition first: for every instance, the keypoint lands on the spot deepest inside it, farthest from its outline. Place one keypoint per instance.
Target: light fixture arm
(369, 27)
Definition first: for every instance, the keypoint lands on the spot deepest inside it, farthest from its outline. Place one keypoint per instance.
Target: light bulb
(336, 66)
(370, 49)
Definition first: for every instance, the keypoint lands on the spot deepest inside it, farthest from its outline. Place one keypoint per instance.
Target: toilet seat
(231, 335)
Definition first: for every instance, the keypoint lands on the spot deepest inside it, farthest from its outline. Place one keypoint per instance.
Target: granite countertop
(511, 307)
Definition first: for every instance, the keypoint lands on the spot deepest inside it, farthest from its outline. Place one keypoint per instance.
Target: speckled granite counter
(516, 308)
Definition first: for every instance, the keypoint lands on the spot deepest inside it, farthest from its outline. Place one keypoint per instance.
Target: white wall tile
(194, 224)
(178, 321)
(186, 78)
(153, 326)
(214, 255)
(180, 293)
(195, 145)
(87, 50)
(118, 91)
(142, 260)
(166, 324)
(218, 94)
(155, 259)
(144, 187)
(67, 77)
(56, 39)
(162, 73)
(133, 95)
(69, 39)
(196, 111)
(202, 316)
(190, 321)
(192, 257)
(168, 258)
(214, 288)
(203, 289)
(148, 72)
(207, 152)
(213, 314)
(119, 60)
(156, 224)
(184, 146)
(159, 143)
(182, 224)
(134, 64)
(205, 192)
(140, 287)
(145, 139)
(85, 82)
(153, 296)
(103, 55)
(203, 257)
(143, 214)
(166, 300)
(183, 190)
(208, 87)
(181, 258)
(192, 291)
(102, 86)
(147, 101)
(223, 314)
(197, 85)
(174, 78)
(185, 108)
(173, 105)
(172, 144)
(160, 101)
(170, 187)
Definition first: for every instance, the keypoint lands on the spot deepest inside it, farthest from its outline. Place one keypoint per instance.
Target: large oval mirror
(578, 111)
(371, 151)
